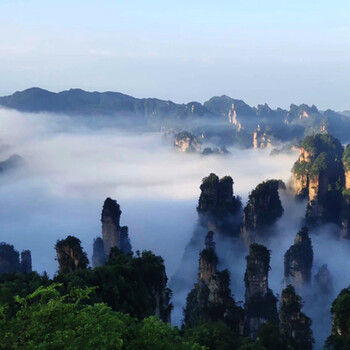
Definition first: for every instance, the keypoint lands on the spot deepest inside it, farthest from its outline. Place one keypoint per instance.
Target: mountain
(221, 120)
(77, 101)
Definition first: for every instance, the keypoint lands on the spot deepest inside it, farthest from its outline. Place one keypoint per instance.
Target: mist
(69, 168)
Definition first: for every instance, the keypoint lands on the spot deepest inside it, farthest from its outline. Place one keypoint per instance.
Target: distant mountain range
(278, 123)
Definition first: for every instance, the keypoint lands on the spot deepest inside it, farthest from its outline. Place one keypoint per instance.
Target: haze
(70, 169)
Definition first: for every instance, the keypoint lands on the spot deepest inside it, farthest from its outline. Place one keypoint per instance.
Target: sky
(278, 52)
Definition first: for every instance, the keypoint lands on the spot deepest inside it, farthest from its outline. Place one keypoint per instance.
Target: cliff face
(113, 234)
(264, 207)
(347, 179)
(318, 176)
(10, 261)
(345, 218)
(298, 260)
(211, 299)
(232, 117)
(187, 143)
(293, 323)
(218, 209)
(26, 261)
(345, 224)
(70, 255)
(162, 299)
(99, 256)
(324, 280)
(260, 303)
(302, 112)
(261, 139)
(208, 260)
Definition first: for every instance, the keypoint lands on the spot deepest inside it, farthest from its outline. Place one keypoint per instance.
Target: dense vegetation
(340, 338)
(218, 205)
(264, 206)
(113, 307)
(316, 144)
(320, 172)
(49, 320)
(325, 152)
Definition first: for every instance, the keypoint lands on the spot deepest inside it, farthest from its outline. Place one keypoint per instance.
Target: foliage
(48, 320)
(152, 334)
(214, 304)
(346, 193)
(209, 181)
(18, 284)
(258, 253)
(126, 283)
(340, 338)
(316, 144)
(213, 335)
(264, 204)
(320, 164)
(295, 325)
(70, 254)
(270, 337)
(301, 168)
(262, 306)
(218, 204)
(300, 254)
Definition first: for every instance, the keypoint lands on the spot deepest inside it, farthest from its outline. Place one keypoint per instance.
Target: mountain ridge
(20, 100)
(221, 120)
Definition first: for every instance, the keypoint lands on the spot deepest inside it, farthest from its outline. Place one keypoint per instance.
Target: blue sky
(279, 52)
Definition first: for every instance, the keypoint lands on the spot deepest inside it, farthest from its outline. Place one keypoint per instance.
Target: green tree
(47, 320)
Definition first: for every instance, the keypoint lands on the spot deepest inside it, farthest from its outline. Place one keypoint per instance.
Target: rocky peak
(258, 265)
(324, 280)
(318, 175)
(293, 323)
(263, 209)
(187, 143)
(113, 234)
(211, 299)
(264, 111)
(301, 112)
(70, 255)
(209, 240)
(345, 224)
(305, 156)
(208, 260)
(218, 208)
(111, 211)
(298, 260)
(260, 303)
(346, 163)
(195, 109)
(26, 261)
(99, 256)
(10, 261)
(9, 258)
(222, 105)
